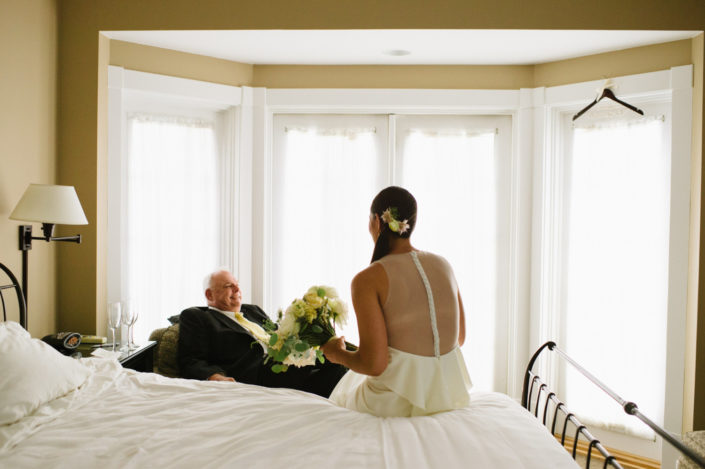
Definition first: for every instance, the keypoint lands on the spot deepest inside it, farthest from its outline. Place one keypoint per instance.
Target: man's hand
(219, 377)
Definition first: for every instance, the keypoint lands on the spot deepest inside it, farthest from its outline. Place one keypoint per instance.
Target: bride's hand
(332, 348)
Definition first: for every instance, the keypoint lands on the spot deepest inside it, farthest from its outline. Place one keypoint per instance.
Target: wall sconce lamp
(48, 205)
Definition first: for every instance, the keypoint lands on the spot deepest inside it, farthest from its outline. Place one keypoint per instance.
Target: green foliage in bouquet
(307, 323)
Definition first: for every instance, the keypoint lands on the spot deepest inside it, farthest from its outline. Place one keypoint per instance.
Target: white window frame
(549, 104)
(130, 91)
(408, 102)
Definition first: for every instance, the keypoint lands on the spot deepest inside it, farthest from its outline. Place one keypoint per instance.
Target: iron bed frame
(20, 297)
(532, 380)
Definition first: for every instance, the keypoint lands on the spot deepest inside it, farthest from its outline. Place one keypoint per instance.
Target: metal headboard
(20, 297)
(530, 382)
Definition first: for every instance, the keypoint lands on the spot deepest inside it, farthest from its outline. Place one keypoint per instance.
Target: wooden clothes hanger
(607, 93)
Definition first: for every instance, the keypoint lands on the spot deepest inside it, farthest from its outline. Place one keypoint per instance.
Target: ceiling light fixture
(396, 52)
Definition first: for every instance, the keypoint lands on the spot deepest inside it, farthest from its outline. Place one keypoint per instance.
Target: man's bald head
(223, 291)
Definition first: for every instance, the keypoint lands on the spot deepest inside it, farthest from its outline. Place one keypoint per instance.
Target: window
(456, 168)
(326, 170)
(615, 285)
(610, 256)
(172, 218)
(170, 191)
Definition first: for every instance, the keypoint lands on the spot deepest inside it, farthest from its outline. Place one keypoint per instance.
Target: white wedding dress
(421, 315)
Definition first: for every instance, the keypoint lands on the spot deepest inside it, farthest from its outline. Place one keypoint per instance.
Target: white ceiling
(432, 47)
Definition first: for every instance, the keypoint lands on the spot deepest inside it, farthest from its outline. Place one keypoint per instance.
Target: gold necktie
(254, 329)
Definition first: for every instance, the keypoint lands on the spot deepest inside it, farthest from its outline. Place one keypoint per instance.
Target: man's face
(224, 292)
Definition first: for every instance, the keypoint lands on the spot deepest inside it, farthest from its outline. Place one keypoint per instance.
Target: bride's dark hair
(401, 200)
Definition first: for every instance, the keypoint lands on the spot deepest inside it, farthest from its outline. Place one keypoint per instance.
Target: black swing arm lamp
(49, 205)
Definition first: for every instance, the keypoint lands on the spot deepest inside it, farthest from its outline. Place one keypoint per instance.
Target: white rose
(339, 311)
(331, 292)
(299, 359)
(288, 326)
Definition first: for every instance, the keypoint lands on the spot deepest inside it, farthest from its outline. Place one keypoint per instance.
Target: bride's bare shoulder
(370, 283)
(372, 274)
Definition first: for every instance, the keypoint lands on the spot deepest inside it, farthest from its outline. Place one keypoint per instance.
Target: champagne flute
(129, 316)
(114, 316)
(125, 321)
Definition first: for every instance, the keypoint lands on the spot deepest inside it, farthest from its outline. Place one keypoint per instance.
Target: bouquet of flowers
(306, 324)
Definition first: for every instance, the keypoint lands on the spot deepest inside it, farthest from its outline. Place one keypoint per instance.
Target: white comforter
(123, 419)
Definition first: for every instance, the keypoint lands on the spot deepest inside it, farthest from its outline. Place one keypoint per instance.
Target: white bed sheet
(123, 419)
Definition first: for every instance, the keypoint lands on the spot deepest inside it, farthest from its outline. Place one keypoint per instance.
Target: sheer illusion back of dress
(425, 372)
(406, 310)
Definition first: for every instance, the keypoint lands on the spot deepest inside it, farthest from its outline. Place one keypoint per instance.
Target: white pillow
(32, 373)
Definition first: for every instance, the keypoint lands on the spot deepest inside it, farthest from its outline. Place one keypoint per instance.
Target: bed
(56, 411)
(122, 418)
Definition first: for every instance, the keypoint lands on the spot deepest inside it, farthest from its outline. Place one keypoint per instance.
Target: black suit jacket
(210, 342)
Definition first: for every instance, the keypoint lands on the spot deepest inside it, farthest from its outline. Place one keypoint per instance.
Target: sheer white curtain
(328, 168)
(172, 215)
(452, 168)
(616, 269)
(326, 171)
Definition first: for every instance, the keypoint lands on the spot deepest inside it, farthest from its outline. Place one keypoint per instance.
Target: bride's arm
(371, 357)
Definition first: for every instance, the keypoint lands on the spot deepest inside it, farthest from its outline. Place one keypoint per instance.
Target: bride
(411, 323)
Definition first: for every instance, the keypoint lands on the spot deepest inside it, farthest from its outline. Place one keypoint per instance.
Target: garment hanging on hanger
(607, 93)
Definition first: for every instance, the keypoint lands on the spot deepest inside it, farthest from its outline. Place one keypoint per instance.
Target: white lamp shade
(46, 203)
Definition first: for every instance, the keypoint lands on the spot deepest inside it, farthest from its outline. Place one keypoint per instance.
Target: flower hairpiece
(390, 217)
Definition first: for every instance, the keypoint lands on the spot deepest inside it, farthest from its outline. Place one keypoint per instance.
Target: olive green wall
(179, 64)
(614, 64)
(611, 64)
(28, 93)
(395, 76)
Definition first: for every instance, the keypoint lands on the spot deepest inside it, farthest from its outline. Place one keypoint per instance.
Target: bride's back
(406, 309)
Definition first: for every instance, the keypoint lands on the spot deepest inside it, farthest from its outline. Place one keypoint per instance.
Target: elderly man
(216, 343)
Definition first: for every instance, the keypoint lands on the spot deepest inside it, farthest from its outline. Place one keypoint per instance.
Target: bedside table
(140, 359)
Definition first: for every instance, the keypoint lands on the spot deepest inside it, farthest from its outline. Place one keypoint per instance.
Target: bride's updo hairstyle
(398, 221)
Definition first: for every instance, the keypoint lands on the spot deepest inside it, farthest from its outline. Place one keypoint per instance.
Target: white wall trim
(681, 125)
(261, 195)
(242, 178)
(640, 87)
(522, 162)
(219, 96)
(116, 170)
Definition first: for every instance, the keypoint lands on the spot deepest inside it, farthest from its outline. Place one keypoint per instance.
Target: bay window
(557, 230)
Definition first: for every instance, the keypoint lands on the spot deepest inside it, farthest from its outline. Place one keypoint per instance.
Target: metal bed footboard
(534, 382)
(561, 413)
